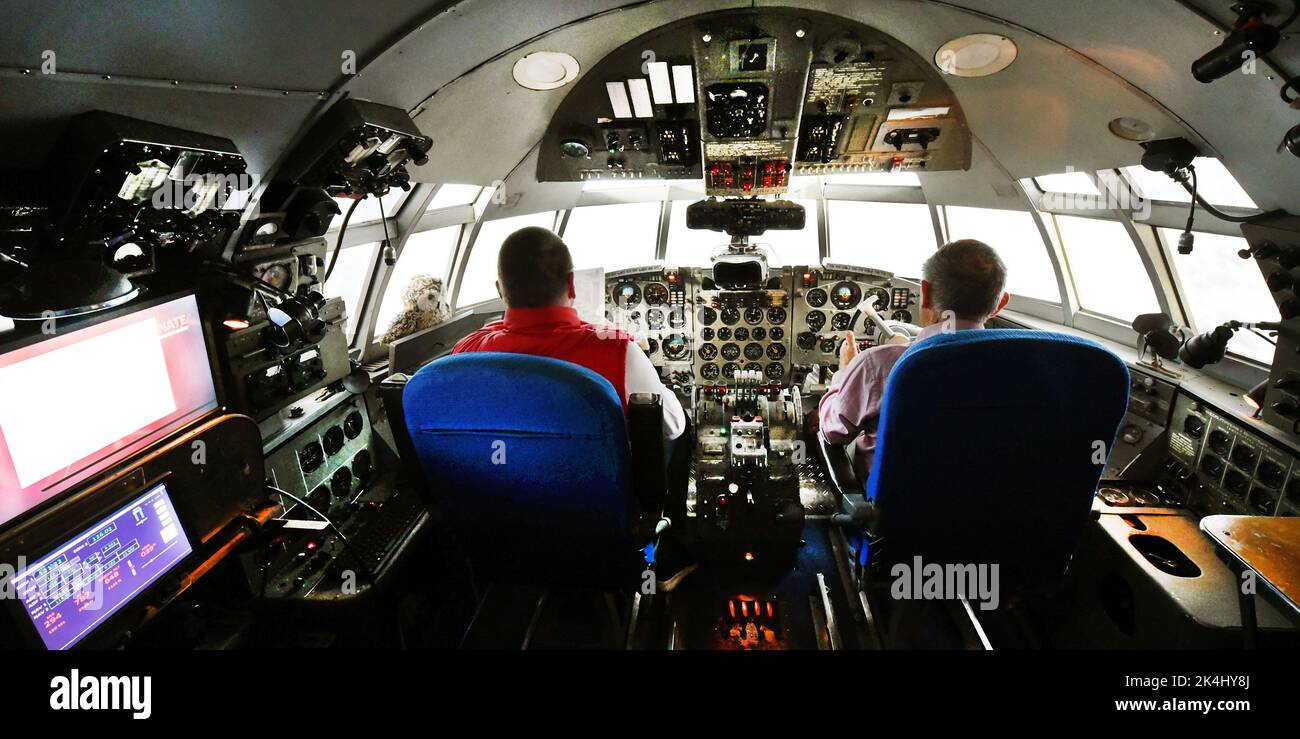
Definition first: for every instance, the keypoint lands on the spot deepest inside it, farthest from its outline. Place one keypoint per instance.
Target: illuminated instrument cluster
(828, 302)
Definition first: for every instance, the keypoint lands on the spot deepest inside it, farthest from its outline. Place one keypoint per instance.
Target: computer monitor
(80, 400)
(70, 591)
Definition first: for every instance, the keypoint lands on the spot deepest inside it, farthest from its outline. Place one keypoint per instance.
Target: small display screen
(75, 588)
(76, 403)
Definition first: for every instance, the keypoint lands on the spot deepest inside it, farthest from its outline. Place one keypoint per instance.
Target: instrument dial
(777, 333)
(730, 351)
(654, 319)
(840, 321)
(882, 298)
(278, 276)
(656, 293)
(807, 341)
(776, 314)
(675, 346)
(626, 294)
(753, 315)
(341, 482)
(710, 371)
(828, 346)
(759, 333)
(754, 367)
(753, 351)
(724, 334)
(676, 318)
(653, 345)
(901, 315)
(353, 424)
(706, 315)
(706, 334)
(776, 352)
(742, 333)
(816, 297)
(333, 440)
(729, 370)
(816, 320)
(845, 295)
(730, 315)
(708, 352)
(774, 371)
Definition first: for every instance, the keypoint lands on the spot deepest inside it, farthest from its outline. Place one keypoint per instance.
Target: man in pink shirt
(961, 288)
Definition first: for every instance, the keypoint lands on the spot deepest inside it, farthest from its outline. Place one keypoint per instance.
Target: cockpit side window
(1213, 182)
(349, 278)
(1218, 286)
(1107, 273)
(427, 253)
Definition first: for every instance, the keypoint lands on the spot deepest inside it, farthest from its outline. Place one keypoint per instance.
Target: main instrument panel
(698, 332)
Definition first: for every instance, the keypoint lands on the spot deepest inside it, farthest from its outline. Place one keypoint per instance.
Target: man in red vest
(535, 280)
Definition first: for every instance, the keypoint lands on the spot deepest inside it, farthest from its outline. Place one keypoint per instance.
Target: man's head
(534, 269)
(966, 277)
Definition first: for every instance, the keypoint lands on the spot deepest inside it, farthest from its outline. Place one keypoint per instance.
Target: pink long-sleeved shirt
(850, 409)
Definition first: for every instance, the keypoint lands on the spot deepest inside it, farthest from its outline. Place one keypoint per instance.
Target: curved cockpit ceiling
(1079, 66)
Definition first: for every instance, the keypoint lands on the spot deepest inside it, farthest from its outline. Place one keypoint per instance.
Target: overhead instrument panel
(746, 98)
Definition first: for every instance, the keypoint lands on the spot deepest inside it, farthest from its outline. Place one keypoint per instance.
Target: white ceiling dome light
(545, 70)
(976, 55)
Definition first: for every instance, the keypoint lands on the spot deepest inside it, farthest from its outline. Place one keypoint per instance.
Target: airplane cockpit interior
(268, 380)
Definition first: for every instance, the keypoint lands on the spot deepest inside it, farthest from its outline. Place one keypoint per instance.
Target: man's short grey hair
(966, 277)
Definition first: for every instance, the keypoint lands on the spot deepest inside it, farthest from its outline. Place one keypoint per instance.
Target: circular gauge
(675, 346)
(361, 465)
(706, 334)
(730, 315)
(710, 371)
(816, 297)
(774, 371)
(626, 294)
(724, 334)
(708, 352)
(706, 315)
(777, 333)
(656, 294)
(828, 346)
(575, 149)
(341, 482)
(319, 498)
(753, 315)
(654, 319)
(776, 352)
(754, 367)
(816, 320)
(729, 370)
(742, 334)
(333, 440)
(676, 318)
(730, 351)
(840, 321)
(652, 346)
(1145, 497)
(753, 351)
(807, 341)
(901, 315)
(353, 424)
(776, 314)
(634, 317)
(845, 295)
(759, 333)
(882, 298)
(277, 276)
(311, 457)
(1113, 496)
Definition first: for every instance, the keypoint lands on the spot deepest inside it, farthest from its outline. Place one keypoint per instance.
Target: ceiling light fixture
(1131, 129)
(545, 70)
(976, 55)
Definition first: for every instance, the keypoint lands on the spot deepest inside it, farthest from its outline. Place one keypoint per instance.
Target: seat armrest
(646, 435)
(840, 468)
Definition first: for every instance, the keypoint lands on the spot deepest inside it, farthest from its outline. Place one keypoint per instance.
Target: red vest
(558, 333)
